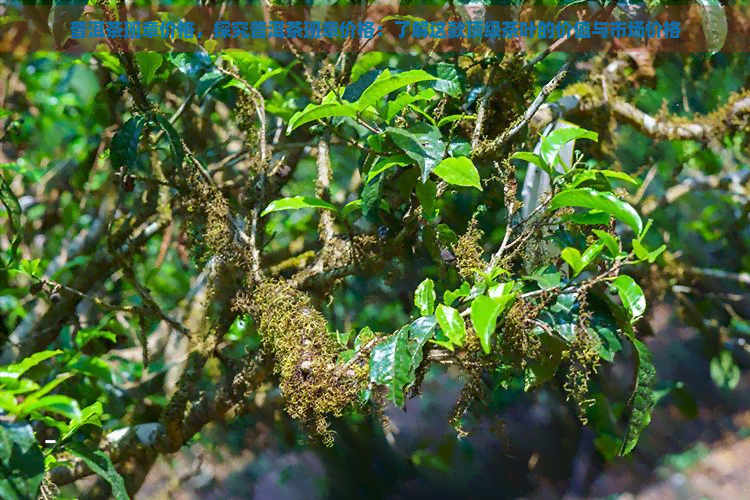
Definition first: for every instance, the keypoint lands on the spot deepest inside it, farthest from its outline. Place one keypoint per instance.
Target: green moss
(305, 355)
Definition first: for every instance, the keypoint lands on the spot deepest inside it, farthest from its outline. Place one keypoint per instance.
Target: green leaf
(18, 369)
(354, 90)
(21, 462)
(547, 277)
(149, 63)
(60, 16)
(424, 297)
(631, 295)
(642, 399)
(714, 20)
(404, 100)
(193, 64)
(13, 208)
(592, 217)
(89, 416)
(452, 324)
(587, 175)
(298, 202)
(390, 365)
(351, 207)
(422, 143)
(100, 463)
(124, 146)
(175, 144)
(387, 83)
(573, 257)
(602, 324)
(484, 313)
(537, 373)
(55, 403)
(385, 163)
(606, 202)
(591, 253)
(449, 81)
(533, 159)
(458, 148)
(420, 331)
(92, 366)
(454, 118)
(724, 370)
(86, 335)
(319, 111)
(642, 252)
(562, 316)
(609, 240)
(463, 291)
(554, 142)
(459, 172)
(427, 195)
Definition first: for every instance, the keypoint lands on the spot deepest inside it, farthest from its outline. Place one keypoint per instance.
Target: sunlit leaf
(319, 111)
(606, 202)
(387, 83)
(424, 297)
(631, 295)
(390, 364)
(484, 313)
(459, 172)
(149, 62)
(451, 323)
(554, 142)
(296, 203)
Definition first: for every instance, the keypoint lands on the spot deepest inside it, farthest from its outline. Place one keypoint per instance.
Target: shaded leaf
(422, 143)
(642, 399)
(385, 163)
(100, 463)
(21, 462)
(427, 195)
(13, 208)
(175, 144)
(124, 146)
